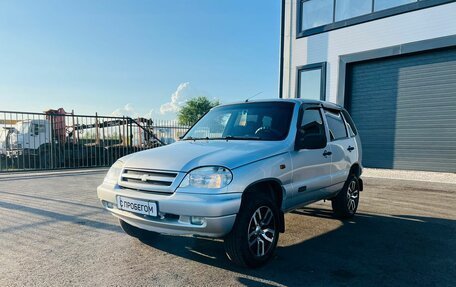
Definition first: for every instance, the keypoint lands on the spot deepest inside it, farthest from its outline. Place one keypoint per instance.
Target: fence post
(60, 151)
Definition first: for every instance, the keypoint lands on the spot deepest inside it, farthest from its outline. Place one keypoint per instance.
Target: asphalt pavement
(53, 232)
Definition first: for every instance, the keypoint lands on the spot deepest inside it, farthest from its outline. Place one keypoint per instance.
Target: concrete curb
(50, 173)
(425, 176)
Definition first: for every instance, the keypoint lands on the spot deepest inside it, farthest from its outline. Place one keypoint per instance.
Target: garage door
(405, 110)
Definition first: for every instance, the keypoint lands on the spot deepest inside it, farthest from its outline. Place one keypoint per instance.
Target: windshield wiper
(224, 138)
(195, 139)
(240, 138)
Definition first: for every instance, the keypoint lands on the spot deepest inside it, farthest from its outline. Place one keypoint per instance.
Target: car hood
(187, 155)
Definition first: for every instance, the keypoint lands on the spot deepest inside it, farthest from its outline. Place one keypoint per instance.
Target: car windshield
(22, 127)
(247, 121)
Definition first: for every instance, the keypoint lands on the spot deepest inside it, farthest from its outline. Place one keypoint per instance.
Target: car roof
(324, 104)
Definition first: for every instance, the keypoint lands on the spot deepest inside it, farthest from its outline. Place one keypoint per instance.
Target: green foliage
(195, 109)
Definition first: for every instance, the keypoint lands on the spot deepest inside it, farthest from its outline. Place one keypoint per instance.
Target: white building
(391, 63)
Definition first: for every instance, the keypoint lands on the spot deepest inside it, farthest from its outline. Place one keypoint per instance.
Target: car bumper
(175, 211)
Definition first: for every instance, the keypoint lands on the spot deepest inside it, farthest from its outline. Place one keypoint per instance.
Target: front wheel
(346, 202)
(254, 237)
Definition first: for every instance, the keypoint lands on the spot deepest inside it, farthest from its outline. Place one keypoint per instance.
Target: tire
(45, 160)
(346, 202)
(49, 159)
(253, 239)
(136, 232)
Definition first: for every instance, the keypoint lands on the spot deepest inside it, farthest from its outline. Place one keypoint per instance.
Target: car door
(311, 167)
(39, 134)
(342, 146)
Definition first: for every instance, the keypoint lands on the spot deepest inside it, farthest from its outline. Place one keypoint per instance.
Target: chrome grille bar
(148, 180)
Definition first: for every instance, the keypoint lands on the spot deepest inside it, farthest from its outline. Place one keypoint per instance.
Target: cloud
(150, 114)
(178, 99)
(128, 110)
(183, 93)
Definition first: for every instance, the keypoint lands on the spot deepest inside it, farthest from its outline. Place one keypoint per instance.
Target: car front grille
(149, 180)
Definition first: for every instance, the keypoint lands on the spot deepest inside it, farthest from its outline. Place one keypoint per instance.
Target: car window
(252, 121)
(22, 127)
(336, 125)
(39, 128)
(312, 122)
(214, 128)
(350, 123)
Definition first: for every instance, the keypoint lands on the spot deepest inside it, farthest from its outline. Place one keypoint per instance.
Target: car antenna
(247, 100)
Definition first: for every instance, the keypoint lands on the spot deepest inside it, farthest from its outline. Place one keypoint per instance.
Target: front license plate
(137, 206)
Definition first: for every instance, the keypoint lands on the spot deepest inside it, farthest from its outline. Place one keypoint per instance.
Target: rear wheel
(135, 231)
(346, 202)
(49, 159)
(255, 234)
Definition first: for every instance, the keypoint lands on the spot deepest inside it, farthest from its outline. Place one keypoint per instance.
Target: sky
(136, 58)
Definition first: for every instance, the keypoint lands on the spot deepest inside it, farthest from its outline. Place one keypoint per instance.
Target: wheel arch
(273, 188)
(356, 170)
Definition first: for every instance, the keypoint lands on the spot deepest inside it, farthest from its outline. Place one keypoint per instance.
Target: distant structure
(391, 63)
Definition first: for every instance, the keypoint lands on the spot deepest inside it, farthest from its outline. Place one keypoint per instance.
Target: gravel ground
(54, 233)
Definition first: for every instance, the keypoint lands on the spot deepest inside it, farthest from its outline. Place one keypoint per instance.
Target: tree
(195, 109)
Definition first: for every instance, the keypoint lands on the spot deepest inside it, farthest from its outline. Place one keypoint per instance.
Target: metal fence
(59, 140)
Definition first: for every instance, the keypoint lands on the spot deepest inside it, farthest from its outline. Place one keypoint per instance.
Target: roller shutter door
(405, 110)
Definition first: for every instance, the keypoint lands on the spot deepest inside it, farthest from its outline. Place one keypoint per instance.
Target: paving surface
(54, 233)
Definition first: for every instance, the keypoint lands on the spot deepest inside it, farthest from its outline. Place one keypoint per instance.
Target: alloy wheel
(261, 231)
(352, 196)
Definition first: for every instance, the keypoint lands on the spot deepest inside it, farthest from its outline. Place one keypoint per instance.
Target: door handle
(326, 153)
(350, 148)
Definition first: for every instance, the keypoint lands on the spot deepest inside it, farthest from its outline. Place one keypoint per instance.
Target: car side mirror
(310, 141)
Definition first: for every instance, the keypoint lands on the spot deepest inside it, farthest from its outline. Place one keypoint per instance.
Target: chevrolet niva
(236, 172)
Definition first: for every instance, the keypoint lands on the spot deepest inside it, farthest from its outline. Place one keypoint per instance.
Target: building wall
(424, 24)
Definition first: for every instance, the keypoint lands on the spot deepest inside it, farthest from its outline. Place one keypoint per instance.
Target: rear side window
(350, 123)
(336, 125)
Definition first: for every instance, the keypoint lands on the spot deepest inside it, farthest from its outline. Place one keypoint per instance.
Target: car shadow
(367, 250)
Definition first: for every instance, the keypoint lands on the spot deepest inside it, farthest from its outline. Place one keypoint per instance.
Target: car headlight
(208, 177)
(114, 172)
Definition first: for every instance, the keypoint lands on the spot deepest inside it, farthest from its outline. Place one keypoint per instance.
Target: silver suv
(236, 172)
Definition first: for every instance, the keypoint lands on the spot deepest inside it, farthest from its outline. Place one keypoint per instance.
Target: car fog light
(197, 220)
